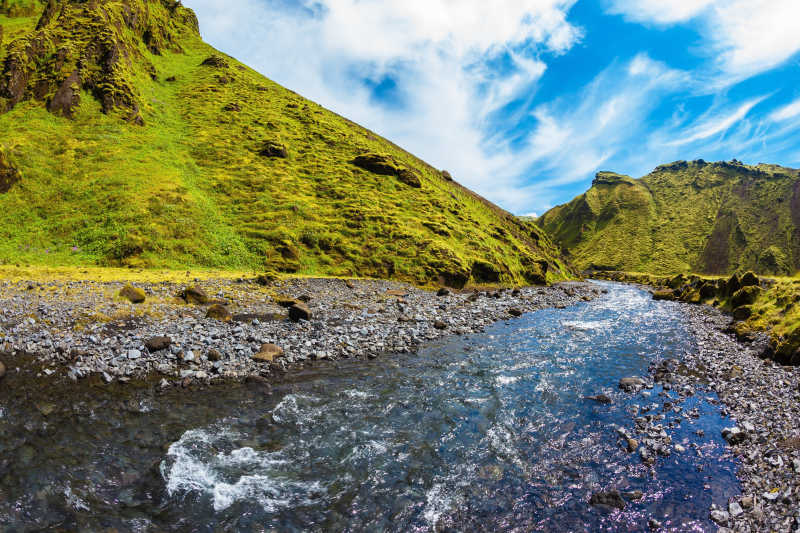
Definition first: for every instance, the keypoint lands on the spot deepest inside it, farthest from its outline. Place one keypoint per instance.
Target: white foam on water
(193, 465)
(506, 380)
(586, 325)
(298, 409)
(357, 394)
(438, 501)
(366, 451)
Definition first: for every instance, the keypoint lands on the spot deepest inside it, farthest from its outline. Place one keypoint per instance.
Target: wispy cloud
(785, 113)
(577, 134)
(716, 124)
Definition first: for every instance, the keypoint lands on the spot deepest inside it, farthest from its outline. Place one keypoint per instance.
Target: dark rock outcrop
(385, 165)
(273, 149)
(9, 175)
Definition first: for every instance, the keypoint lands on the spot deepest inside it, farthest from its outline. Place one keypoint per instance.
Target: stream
(490, 432)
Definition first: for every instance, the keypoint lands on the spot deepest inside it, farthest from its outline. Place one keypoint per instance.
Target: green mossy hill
(759, 306)
(127, 141)
(714, 218)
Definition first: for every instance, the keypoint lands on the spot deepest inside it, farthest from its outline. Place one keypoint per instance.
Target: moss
(714, 218)
(129, 169)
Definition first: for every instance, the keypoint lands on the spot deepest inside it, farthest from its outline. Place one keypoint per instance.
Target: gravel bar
(87, 329)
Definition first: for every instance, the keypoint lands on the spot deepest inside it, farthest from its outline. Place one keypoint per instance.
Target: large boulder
(377, 163)
(194, 295)
(132, 294)
(633, 384)
(386, 165)
(268, 353)
(157, 344)
(665, 294)
(611, 498)
(215, 62)
(299, 311)
(219, 312)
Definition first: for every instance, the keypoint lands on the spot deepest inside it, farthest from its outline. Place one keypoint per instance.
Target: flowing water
(483, 433)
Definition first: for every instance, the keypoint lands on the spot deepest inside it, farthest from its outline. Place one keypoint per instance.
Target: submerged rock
(600, 398)
(632, 384)
(610, 498)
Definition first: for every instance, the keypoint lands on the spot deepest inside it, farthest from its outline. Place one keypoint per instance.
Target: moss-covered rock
(273, 149)
(733, 285)
(749, 279)
(195, 295)
(664, 294)
(133, 294)
(219, 312)
(745, 296)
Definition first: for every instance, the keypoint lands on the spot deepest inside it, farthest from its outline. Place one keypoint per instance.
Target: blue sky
(525, 100)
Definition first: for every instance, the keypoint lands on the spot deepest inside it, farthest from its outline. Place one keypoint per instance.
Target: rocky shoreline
(763, 398)
(205, 331)
(759, 395)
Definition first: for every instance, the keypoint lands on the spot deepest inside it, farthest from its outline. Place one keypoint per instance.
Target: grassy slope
(711, 218)
(188, 188)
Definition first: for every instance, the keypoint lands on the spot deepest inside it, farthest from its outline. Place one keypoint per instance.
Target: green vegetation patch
(173, 155)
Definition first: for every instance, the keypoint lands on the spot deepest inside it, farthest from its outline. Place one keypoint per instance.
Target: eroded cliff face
(95, 47)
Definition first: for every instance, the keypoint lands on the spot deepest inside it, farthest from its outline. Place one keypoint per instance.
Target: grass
(189, 189)
(713, 218)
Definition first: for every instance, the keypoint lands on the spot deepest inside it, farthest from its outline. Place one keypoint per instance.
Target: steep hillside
(712, 218)
(126, 140)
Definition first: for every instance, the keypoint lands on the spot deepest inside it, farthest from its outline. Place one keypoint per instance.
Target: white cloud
(443, 56)
(744, 37)
(785, 113)
(715, 124)
(659, 11)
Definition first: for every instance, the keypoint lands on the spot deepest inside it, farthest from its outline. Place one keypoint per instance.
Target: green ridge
(712, 218)
(130, 141)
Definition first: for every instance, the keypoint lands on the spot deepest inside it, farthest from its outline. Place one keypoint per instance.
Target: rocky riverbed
(232, 329)
(761, 397)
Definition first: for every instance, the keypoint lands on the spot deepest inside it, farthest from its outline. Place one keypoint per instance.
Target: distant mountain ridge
(711, 218)
(129, 141)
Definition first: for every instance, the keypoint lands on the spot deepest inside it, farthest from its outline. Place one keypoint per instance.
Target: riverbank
(763, 398)
(212, 329)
